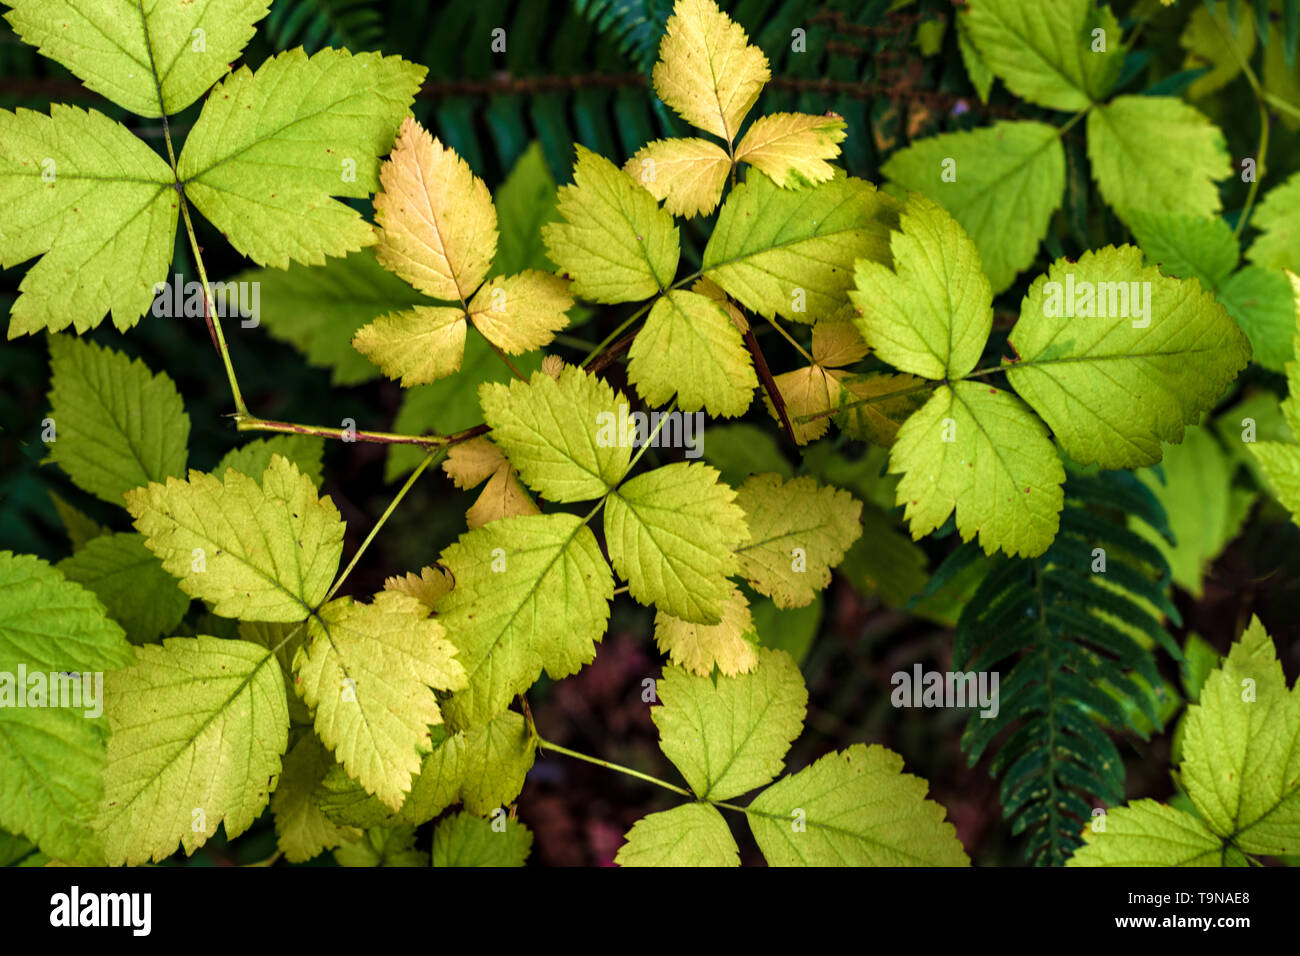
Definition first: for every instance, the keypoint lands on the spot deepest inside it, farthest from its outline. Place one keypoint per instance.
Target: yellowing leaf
(426, 587)
(836, 342)
(472, 462)
(983, 452)
(438, 227)
(798, 531)
(522, 312)
(368, 672)
(730, 645)
(467, 840)
(686, 174)
(263, 552)
(420, 345)
(807, 391)
(672, 533)
(690, 347)
(199, 727)
(303, 831)
(707, 70)
(1147, 833)
(614, 241)
(792, 146)
(694, 834)
(892, 398)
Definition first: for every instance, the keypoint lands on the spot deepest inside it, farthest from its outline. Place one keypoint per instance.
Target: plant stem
(870, 400)
(622, 327)
(1259, 171)
(769, 384)
(209, 311)
(790, 338)
(251, 424)
(543, 744)
(429, 458)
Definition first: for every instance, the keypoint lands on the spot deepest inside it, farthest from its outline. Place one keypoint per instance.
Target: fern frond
(635, 26)
(313, 24)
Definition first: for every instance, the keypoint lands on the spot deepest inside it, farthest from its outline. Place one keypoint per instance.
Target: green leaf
(369, 671)
(130, 581)
(853, 808)
(467, 840)
(1046, 52)
(117, 427)
(180, 759)
(798, 531)
(1281, 465)
(1110, 387)
(271, 148)
(741, 449)
(730, 737)
(302, 829)
(1241, 763)
(1147, 833)
(1262, 303)
(258, 552)
(982, 452)
(79, 526)
(95, 203)
(525, 202)
(791, 252)
(694, 834)
(552, 432)
(1158, 154)
(689, 347)
(1278, 220)
(383, 846)
(253, 458)
(730, 645)
(1187, 246)
(932, 312)
(531, 593)
(1009, 179)
(319, 310)
(152, 62)
(672, 533)
(614, 241)
(1212, 42)
(52, 758)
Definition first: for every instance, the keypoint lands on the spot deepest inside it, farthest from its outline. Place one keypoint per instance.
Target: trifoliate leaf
(438, 227)
(730, 737)
(931, 313)
(982, 452)
(52, 758)
(1186, 246)
(531, 593)
(131, 583)
(467, 840)
(263, 552)
(1262, 303)
(1158, 154)
(853, 808)
(319, 310)
(303, 831)
(1047, 52)
(707, 70)
(95, 203)
(426, 587)
(1147, 833)
(1113, 371)
(613, 242)
(690, 347)
(694, 834)
(522, 312)
(369, 672)
(1278, 220)
(672, 533)
(1241, 754)
(383, 846)
(271, 148)
(791, 251)
(798, 531)
(552, 432)
(418, 346)
(117, 427)
(153, 62)
(199, 726)
(1001, 182)
(686, 174)
(252, 459)
(729, 645)
(791, 148)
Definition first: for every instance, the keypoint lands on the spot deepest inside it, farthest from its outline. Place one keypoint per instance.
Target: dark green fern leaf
(314, 24)
(635, 26)
(1070, 641)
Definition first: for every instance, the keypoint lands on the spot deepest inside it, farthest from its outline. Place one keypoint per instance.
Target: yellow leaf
(707, 71)
(426, 587)
(698, 647)
(836, 342)
(420, 345)
(522, 312)
(688, 174)
(808, 391)
(502, 497)
(790, 145)
(473, 462)
(438, 227)
(711, 290)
